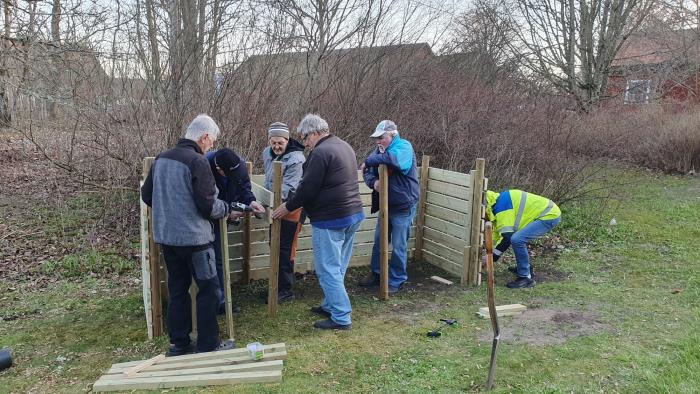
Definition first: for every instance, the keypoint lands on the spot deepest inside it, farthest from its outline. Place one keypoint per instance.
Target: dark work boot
(370, 280)
(180, 351)
(328, 324)
(320, 311)
(515, 271)
(521, 282)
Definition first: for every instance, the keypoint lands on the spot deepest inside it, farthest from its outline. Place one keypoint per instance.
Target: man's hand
(280, 212)
(257, 207)
(376, 185)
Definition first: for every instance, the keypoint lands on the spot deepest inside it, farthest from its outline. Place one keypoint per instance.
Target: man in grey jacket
(291, 153)
(181, 191)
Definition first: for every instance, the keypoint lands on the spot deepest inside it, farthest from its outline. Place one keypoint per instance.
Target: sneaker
(521, 282)
(223, 345)
(515, 271)
(370, 280)
(328, 324)
(180, 351)
(320, 311)
(394, 290)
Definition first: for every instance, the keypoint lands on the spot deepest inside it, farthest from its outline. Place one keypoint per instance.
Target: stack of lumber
(202, 369)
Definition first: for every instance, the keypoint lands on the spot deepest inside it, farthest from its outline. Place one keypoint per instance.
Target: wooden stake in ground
(223, 227)
(472, 270)
(488, 230)
(420, 219)
(384, 235)
(275, 242)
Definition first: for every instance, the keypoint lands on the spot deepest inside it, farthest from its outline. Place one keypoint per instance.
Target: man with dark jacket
(397, 154)
(180, 190)
(232, 181)
(291, 154)
(330, 195)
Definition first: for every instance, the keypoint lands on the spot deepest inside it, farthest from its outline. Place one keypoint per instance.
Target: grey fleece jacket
(181, 190)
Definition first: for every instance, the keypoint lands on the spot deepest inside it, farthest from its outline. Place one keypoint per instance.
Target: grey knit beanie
(278, 129)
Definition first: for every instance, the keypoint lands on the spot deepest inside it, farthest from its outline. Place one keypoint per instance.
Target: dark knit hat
(227, 160)
(278, 129)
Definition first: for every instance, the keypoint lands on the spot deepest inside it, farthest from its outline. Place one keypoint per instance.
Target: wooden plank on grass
(274, 365)
(456, 204)
(270, 348)
(210, 362)
(446, 227)
(441, 280)
(457, 178)
(502, 310)
(187, 381)
(130, 372)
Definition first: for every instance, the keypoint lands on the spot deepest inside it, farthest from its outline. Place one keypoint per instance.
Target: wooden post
(275, 241)
(384, 235)
(420, 220)
(223, 227)
(146, 267)
(471, 271)
(154, 265)
(247, 225)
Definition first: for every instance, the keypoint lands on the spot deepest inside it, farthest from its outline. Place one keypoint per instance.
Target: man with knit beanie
(291, 153)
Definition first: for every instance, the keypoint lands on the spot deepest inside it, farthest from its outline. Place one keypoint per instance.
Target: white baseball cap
(383, 127)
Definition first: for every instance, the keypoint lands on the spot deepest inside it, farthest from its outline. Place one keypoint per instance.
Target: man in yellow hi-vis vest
(519, 217)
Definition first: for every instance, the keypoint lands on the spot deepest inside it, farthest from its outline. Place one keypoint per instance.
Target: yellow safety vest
(511, 210)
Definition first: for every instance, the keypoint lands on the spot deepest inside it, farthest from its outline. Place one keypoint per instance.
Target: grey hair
(202, 124)
(312, 123)
(393, 133)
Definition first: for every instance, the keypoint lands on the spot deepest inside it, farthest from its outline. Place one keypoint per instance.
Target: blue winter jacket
(403, 174)
(236, 188)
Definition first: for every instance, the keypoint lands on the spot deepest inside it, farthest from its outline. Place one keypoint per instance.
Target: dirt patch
(542, 327)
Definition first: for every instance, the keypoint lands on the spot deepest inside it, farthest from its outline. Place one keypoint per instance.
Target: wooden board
(438, 261)
(187, 381)
(502, 310)
(448, 215)
(449, 189)
(270, 348)
(446, 227)
(208, 362)
(457, 178)
(262, 195)
(462, 205)
(273, 365)
(444, 239)
(446, 253)
(441, 280)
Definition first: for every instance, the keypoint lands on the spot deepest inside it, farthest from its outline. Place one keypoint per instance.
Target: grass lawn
(615, 310)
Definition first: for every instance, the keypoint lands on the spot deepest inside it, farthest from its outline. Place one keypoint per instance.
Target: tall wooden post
(275, 241)
(384, 235)
(471, 273)
(223, 228)
(247, 225)
(420, 220)
(154, 265)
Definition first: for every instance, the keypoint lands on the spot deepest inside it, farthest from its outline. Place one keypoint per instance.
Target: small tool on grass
(438, 331)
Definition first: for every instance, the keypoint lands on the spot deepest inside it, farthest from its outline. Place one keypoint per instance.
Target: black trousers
(288, 232)
(184, 263)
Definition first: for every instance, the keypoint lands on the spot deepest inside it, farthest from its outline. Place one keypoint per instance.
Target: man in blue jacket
(398, 155)
(232, 180)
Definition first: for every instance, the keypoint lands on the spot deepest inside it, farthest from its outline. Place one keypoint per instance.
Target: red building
(653, 67)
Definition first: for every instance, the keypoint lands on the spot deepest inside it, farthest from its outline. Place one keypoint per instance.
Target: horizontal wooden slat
(438, 261)
(187, 381)
(455, 204)
(444, 239)
(273, 365)
(207, 362)
(447, 215)
(447, 176)
(262, 195)
(258, 178)
(446, 227)
(270, 348)
(446, 253)
(449, 189)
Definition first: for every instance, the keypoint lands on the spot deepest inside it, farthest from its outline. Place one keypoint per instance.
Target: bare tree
(571, 43)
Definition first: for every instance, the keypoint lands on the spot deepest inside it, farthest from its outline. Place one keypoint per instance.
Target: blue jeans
(521, 237)
(332, 252)
(399, 231)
